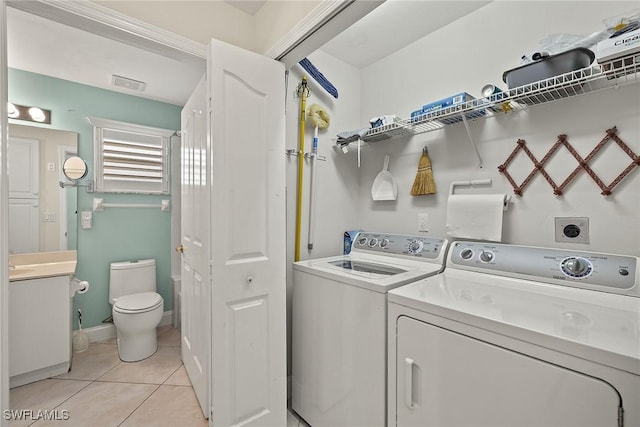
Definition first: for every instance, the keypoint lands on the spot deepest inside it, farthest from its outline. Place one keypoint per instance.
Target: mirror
(74, 168)
(42, 215)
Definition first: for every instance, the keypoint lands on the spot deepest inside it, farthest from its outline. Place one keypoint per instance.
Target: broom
(424, 183)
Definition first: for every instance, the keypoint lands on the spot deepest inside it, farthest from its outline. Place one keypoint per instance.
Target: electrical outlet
(423, 220)
(572, 229)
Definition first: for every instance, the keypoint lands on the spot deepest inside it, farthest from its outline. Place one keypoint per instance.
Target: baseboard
(108, 331)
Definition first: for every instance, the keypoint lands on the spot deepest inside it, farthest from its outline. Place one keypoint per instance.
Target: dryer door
(447, 379)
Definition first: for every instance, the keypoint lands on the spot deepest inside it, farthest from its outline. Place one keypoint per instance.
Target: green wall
(118, 234)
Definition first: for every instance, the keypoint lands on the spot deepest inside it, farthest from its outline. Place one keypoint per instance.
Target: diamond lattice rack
(607, 75)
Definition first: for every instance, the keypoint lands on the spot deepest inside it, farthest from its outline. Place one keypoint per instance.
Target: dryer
(339, 319)
(517, 336)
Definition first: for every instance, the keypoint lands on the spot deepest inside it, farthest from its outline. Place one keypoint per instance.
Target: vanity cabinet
(40, 329)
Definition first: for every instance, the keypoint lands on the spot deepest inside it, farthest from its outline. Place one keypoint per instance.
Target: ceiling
(393, 25)
(249, 6)
(46, 47)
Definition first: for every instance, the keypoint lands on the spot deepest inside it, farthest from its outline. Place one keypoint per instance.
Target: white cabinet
(40, 332)
(448, 379)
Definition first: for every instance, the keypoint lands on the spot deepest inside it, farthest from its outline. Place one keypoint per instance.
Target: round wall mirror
(74, 168)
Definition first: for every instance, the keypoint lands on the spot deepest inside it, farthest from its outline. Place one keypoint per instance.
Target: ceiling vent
(127, 83)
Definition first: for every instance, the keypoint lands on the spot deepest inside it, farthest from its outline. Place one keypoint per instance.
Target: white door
(196, 280)
(24, 233)
(447, 379)
(248, 375)
(24, 176)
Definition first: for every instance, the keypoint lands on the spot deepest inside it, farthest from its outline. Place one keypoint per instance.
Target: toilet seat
(138, 303)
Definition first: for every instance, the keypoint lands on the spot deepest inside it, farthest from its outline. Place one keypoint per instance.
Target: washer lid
(138, 302)
(378, 273)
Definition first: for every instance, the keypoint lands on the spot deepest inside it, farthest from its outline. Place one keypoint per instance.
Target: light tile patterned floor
(102, 391)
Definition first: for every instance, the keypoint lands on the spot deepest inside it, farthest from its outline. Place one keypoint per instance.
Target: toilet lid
(138, 302)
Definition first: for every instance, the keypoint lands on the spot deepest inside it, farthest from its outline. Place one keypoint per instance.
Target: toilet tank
(131, 277)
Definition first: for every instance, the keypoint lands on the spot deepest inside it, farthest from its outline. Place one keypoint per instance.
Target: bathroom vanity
(40, 315)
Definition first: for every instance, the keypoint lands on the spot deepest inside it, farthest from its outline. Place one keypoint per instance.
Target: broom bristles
(424, 182)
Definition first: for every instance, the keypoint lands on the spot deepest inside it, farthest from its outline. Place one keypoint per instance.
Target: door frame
(323, 23)
(4, 215)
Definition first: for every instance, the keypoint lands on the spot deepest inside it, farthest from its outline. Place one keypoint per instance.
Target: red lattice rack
(583, 164)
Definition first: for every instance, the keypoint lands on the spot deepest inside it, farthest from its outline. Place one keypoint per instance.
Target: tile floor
(100, 390)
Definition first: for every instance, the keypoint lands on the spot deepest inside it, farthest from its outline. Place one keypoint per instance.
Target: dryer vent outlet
(572, 229)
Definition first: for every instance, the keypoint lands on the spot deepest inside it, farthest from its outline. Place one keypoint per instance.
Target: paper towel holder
(454, 184)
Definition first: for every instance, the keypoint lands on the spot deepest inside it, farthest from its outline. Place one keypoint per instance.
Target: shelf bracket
(473, 144)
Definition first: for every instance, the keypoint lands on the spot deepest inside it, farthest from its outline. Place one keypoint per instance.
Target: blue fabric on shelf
(319, 77)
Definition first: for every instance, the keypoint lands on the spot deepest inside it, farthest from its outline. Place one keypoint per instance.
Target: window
(130, 158)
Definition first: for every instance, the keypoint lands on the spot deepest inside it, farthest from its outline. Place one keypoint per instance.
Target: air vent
(128, 83)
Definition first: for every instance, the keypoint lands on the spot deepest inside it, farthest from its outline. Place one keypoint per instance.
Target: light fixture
(12, 111)
(31, 114)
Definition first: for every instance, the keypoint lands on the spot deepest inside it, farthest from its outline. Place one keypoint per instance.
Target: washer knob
(384, 243)
(415, 247)
(373, 242)
(362, 241)
(486, 256)
(466, 254)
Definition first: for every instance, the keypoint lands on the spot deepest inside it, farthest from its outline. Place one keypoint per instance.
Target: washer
(339, 319)
(517, 336)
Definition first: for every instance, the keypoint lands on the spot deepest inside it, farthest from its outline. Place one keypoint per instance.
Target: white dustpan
(384, 186)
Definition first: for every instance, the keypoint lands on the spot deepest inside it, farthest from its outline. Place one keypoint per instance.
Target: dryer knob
(384, 243)
(466, 253)
(576, 267)
(373, 242)
(486, 256)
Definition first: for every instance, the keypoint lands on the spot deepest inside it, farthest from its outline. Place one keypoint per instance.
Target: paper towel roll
(476, 216)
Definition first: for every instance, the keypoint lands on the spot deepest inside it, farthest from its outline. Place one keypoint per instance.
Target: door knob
(180, 249)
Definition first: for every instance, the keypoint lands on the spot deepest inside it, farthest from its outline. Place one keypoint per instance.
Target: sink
(20, 271)
(42, 264)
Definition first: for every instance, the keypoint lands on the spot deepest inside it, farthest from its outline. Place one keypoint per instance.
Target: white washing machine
(517, 336)
(339, 319)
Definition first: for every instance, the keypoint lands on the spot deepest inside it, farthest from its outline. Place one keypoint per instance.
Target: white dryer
(517, 336)
(339, 319)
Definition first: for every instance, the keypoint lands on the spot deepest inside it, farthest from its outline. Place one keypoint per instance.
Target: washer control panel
(400, 244)
(590, 270)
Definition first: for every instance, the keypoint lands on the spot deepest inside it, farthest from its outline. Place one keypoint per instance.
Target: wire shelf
(607, 75)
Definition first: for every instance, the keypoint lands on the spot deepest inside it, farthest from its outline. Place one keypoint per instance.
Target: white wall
(196, 20)
(337, 185)
(276, 18)
(464, 56)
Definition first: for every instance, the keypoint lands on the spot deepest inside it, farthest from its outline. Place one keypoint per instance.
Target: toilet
(137, 308)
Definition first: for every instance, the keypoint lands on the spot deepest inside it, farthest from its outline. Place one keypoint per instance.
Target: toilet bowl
(137, 308)
(136, 318)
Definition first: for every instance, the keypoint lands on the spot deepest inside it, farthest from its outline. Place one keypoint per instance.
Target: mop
(320, 118)
(319, 77)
